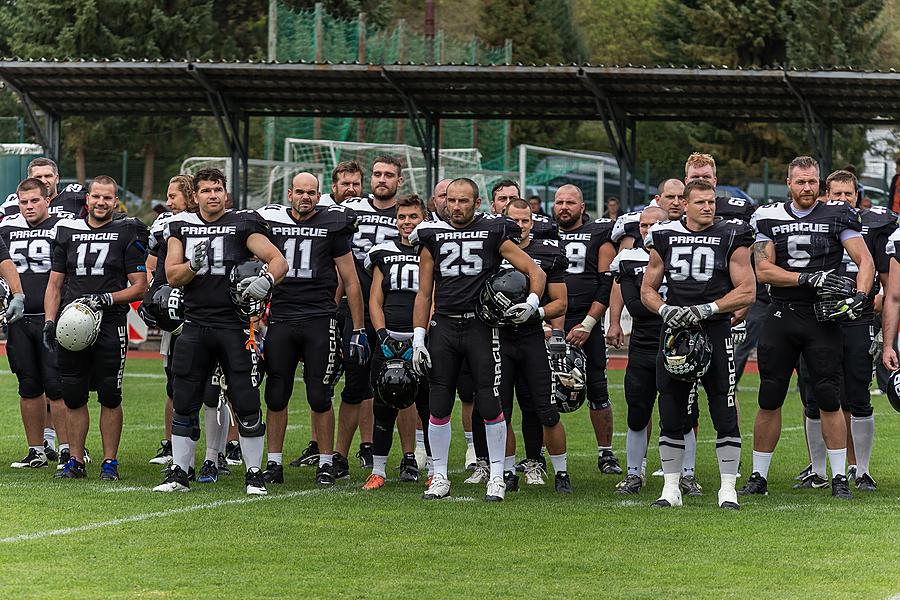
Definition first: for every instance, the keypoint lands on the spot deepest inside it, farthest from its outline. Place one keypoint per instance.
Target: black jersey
(734, 208)
(374, 226)
(99, 260)
(548, 255)
(207, 301)
(878, 223)
(892, 246)
(158, 247)
(30, 248)
(399, 266)
(310, 248)
(70, 202)
(581, 246)
(805, 244)
(628, 225)
(543, 228)
(628, 267)
(464, 258)
(696, 262)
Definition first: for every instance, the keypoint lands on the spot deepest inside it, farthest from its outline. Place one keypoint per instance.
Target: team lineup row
(509, 304)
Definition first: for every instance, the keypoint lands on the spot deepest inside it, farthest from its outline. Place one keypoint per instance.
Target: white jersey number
(576, 252)
(100, 249)
(404, 277)
(215, 254)
(34, 254)
(694, 263)
(798, 256)
(298, 253)
(472, 263)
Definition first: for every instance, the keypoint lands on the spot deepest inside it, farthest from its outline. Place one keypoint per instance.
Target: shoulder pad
(74, 187)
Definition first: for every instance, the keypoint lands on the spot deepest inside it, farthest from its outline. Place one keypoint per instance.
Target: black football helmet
(166, 308)
(893, 390)
(238, 280)
(569, 380)
(828, 300)
(335, 368)
(686, 353)
(396, 384)
(5, 298)
(502, 290)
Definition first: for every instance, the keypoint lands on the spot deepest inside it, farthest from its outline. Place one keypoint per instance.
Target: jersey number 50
(694, 263)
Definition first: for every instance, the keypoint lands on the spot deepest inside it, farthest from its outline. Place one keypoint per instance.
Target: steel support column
(427, 135)
(819, 133)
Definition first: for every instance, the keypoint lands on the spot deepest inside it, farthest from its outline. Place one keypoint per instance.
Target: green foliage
(618, 32)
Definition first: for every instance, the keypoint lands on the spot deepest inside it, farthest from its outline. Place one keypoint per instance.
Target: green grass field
(88, 539)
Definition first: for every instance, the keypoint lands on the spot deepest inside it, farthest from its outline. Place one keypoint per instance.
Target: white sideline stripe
(162, 514)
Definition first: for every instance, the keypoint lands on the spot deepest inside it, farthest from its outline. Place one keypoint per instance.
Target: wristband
(541, 312)
(714, 307)
(588, 323)
(419, 336)
(662, 309)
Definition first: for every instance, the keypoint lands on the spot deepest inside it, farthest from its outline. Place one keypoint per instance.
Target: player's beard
(382, 197)
(568, 222)
(104, 218)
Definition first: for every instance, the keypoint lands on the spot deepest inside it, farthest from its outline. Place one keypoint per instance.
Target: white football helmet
(78, 326)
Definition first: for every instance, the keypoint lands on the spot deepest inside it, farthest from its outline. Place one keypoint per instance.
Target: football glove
(814, 279)
(384, 339)
(198, 258)
(694, 314)
(359, 346)
(673, 316)
(877, 343)
(48, 336)
(849, 309)
(16, 308)
(557, 344)
(259, 288)
(97, 301)
(524, 311)
(421, 360)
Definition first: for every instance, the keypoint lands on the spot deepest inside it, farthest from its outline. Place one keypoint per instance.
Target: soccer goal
(544, 170)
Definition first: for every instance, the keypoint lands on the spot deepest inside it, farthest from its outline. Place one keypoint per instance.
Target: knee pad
(109, 399)
(75, 394)
(186, 426)
(861, 412)
(319, 398)
(548, 418)
(252, 425)
(811, 412)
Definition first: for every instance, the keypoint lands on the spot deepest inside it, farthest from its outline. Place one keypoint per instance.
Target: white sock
(183, 449)
(50, 437)
(496, 443)
(761, 462)
(325, 459)
(63, 447)
(420, 438)
(690, 454)
(863, 431)
(275, 457)
(223, 421)
(252, 449)
(816, 444)
(439, 438)
(635, 449)
(838, 461)
(671, 490)
(469, 440)
(559, 462)
(212, 455)
(379, 463)
(600, 449)
(211, 426)
(509, 463)
(429, 464)
(38, 449)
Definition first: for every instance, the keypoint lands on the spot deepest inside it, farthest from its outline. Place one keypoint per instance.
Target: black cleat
(690, 487)
(164, 456)
(804, 473)
(224, 471)
(730, 505)
(255, 482)
(35, 459)
(366, 455)
(511, 480)
(631, 485)
(209, 472)
(520, 466)
(757, 484)
(71, 470)
(324, 476)
(109, 470)
(191, 474)
(563, 483)
(51, 453)
(840, 488)
(409, 468)
(608, 463)
(865, 483)
(274, 472)
(233, 455)
(176, 480)
(340, 467)
(812, 481)
(64, 456)
(851, 472)
(309, 457)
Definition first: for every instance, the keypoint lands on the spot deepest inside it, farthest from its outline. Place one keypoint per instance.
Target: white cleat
(496, 490)
(256, 484)
(534, 473)
(171, 486)
(481, 474)
(471, 460)
(439, 488)
(728, 499)
(670, 497)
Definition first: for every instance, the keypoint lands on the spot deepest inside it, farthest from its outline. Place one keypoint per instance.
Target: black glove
(97, 301)
(849, 309)
(384, 339)
(48, 337)
(557, 344)
(813, 280)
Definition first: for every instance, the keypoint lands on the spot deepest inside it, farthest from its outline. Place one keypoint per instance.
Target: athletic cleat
(255, 482)
(471, 459)
(520, 466)
(35, 459)
(840, 488)
(690, 487)
(309, 457)
(366, 455)
(191, 474)
(851, 472)
(658, 473)
(340, 467)
(630, 486)
(496, 488)
(865, 483)
(64, 456)
(176, 481)
(804, 473)
(71, 470)
(224, 471)
(481, 474)
(668, 501)
(438, 489)
(274, 472)
(51, 453)
(164, 456)
(209, 472)
(421, 457)
(757, 484)
(374, 482)
(812, 481)
(510, 481)
(409, 469)
(534, 473)
(324, 476)
(563, 483)
(608, 463)
(109, 470)
(233, 455)
(87, 456)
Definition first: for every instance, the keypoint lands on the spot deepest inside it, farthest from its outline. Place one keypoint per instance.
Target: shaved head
(304, 180)
(654, 214)
(303, 195)
(570, 189)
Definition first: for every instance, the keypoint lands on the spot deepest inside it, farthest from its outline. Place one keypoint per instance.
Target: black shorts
(196, 354)
(357, 377)
(526, 373)
(35, 368)
(595, 350)
(858, 365)
(640, 388)
(99, 367)
(315, 342)
(170, 360)
(789, 333)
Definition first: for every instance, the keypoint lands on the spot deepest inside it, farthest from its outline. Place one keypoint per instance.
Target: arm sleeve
(136, 252)
(604, 287)
(4, 250)
(58, 263)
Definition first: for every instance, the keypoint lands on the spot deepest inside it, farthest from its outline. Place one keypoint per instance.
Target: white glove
(198, 258)
(259, 288)
(522, 312)
(16, 308)
(673, 316)
(694, 314)
(421, 360)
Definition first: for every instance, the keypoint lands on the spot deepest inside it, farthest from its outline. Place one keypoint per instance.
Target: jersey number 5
(472, 263)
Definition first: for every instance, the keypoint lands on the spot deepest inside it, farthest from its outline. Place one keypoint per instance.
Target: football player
(395, 280)
(504, 192)
(302, 316)
(456, 258)
(706, 265)
(99, 262)
(67, 202)
(878, 224)
(590, 251)
(202, 250)
(799, 245)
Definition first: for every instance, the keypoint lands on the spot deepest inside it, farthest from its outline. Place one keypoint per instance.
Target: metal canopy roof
(98, 88)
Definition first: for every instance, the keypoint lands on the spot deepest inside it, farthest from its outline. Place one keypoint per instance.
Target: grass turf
(92, 539)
